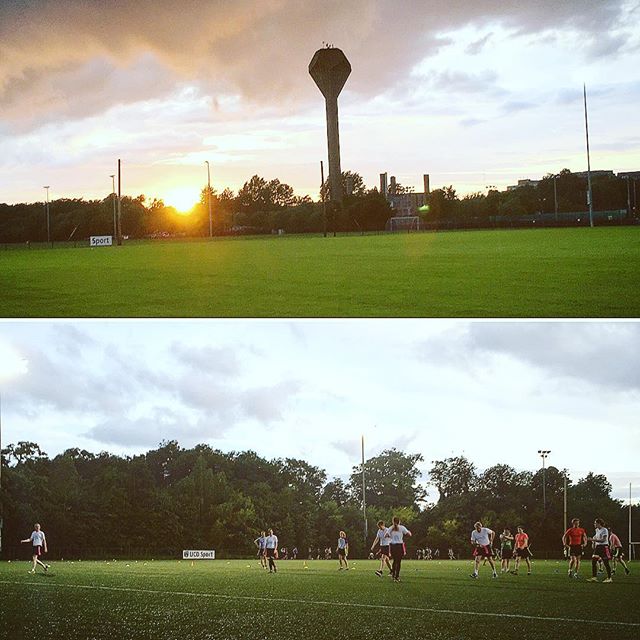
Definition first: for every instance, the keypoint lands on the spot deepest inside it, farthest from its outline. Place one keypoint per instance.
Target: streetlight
(543, 455)
(48, 222)
(209, 197)
(113, 198)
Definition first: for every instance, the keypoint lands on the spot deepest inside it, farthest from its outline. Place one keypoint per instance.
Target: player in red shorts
(39, 546)
(576, 539)
(482, 541)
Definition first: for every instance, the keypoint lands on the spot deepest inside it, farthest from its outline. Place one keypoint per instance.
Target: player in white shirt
(601, 551)
(397, 532)
(383, 540)
(271, 547)
(482, 541)
(39, 546)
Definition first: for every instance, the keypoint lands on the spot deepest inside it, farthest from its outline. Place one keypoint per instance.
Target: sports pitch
(522, 273)
(238, 599)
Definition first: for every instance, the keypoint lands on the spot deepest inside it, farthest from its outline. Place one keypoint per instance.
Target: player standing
(601, 551)
(397, 547)
(343, 551)
(261, 543)
(576, 539)
(39, 546)
(522, 551)
(482, 541)
(271, 549)
(617, 552)
(383, 540)
(506, 549)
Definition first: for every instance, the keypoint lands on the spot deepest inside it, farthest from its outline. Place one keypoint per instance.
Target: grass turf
(238, 599)
(525, 273)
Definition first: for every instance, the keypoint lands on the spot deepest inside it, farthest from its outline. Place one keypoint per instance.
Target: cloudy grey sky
(309, 389)
(475, 93)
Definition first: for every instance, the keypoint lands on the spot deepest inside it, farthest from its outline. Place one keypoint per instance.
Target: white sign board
(101, 241)
(191, 554)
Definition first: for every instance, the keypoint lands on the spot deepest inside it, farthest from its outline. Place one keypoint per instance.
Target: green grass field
(238, 599)
(526, 273)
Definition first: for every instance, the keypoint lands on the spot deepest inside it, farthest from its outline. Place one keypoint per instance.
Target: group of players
(391, 548)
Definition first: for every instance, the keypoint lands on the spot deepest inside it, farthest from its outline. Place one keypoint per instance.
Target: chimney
(425, 177)
(392, 186)
(383, 184)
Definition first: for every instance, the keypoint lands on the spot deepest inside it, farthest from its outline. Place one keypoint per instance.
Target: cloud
(207, 360)
(603, 355)
(478, 45)
(69, 58)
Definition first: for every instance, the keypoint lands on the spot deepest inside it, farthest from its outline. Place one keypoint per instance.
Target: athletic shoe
(495, 575)
(474, 576)
(613, 572)
(46, 567)
(379, 574)
(592, 580)
(607, 580)
(627, 572)
(32, 571)
(513, 573)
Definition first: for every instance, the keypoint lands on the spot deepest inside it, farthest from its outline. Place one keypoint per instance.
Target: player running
(522, 551)
(343, 551)
(601, 551)
(617, 552)
(482, 541)
(506, 550)
(383, 540)
(271, 550)
(39, 546)
(261, 543)
(575, 537)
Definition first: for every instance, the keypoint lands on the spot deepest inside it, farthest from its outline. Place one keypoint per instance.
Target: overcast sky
(309, 389)
(473, 92)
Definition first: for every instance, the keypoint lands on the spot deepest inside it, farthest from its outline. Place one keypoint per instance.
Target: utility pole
(209, 198)
(48, 217)
(589, 192)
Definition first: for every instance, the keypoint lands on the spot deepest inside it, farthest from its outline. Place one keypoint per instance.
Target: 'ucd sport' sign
(101, 241)
(190, 554)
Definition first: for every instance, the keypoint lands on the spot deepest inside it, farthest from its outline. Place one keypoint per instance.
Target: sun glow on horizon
(182, 199)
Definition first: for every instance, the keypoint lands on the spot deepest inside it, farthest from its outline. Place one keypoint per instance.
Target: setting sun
(183, 199)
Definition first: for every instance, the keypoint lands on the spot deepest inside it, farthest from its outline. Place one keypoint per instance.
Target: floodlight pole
(48, 217)
(555, 196)
(364, 500)
(324, 203)
(119, 218)
(113, 199)
(209, 198)
(543, 455)
(565, 501)
(589, 192)
(630, 538)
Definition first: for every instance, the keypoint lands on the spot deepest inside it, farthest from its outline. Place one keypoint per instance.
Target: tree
(453, 476)
(391, 480)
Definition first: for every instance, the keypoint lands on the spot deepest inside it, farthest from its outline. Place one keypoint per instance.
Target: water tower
(330, 69)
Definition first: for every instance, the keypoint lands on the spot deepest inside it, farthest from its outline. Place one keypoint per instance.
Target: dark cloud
(76, 58)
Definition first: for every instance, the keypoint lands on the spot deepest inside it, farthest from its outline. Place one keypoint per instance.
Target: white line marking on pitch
(359, 605)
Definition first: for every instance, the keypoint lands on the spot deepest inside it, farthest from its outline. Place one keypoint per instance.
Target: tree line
(172, 498)
(266, 206)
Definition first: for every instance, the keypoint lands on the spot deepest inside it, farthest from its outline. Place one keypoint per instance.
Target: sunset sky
(310, 389)
(475, 93)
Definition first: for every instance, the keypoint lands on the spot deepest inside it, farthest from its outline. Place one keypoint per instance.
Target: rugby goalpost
(632, 544)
